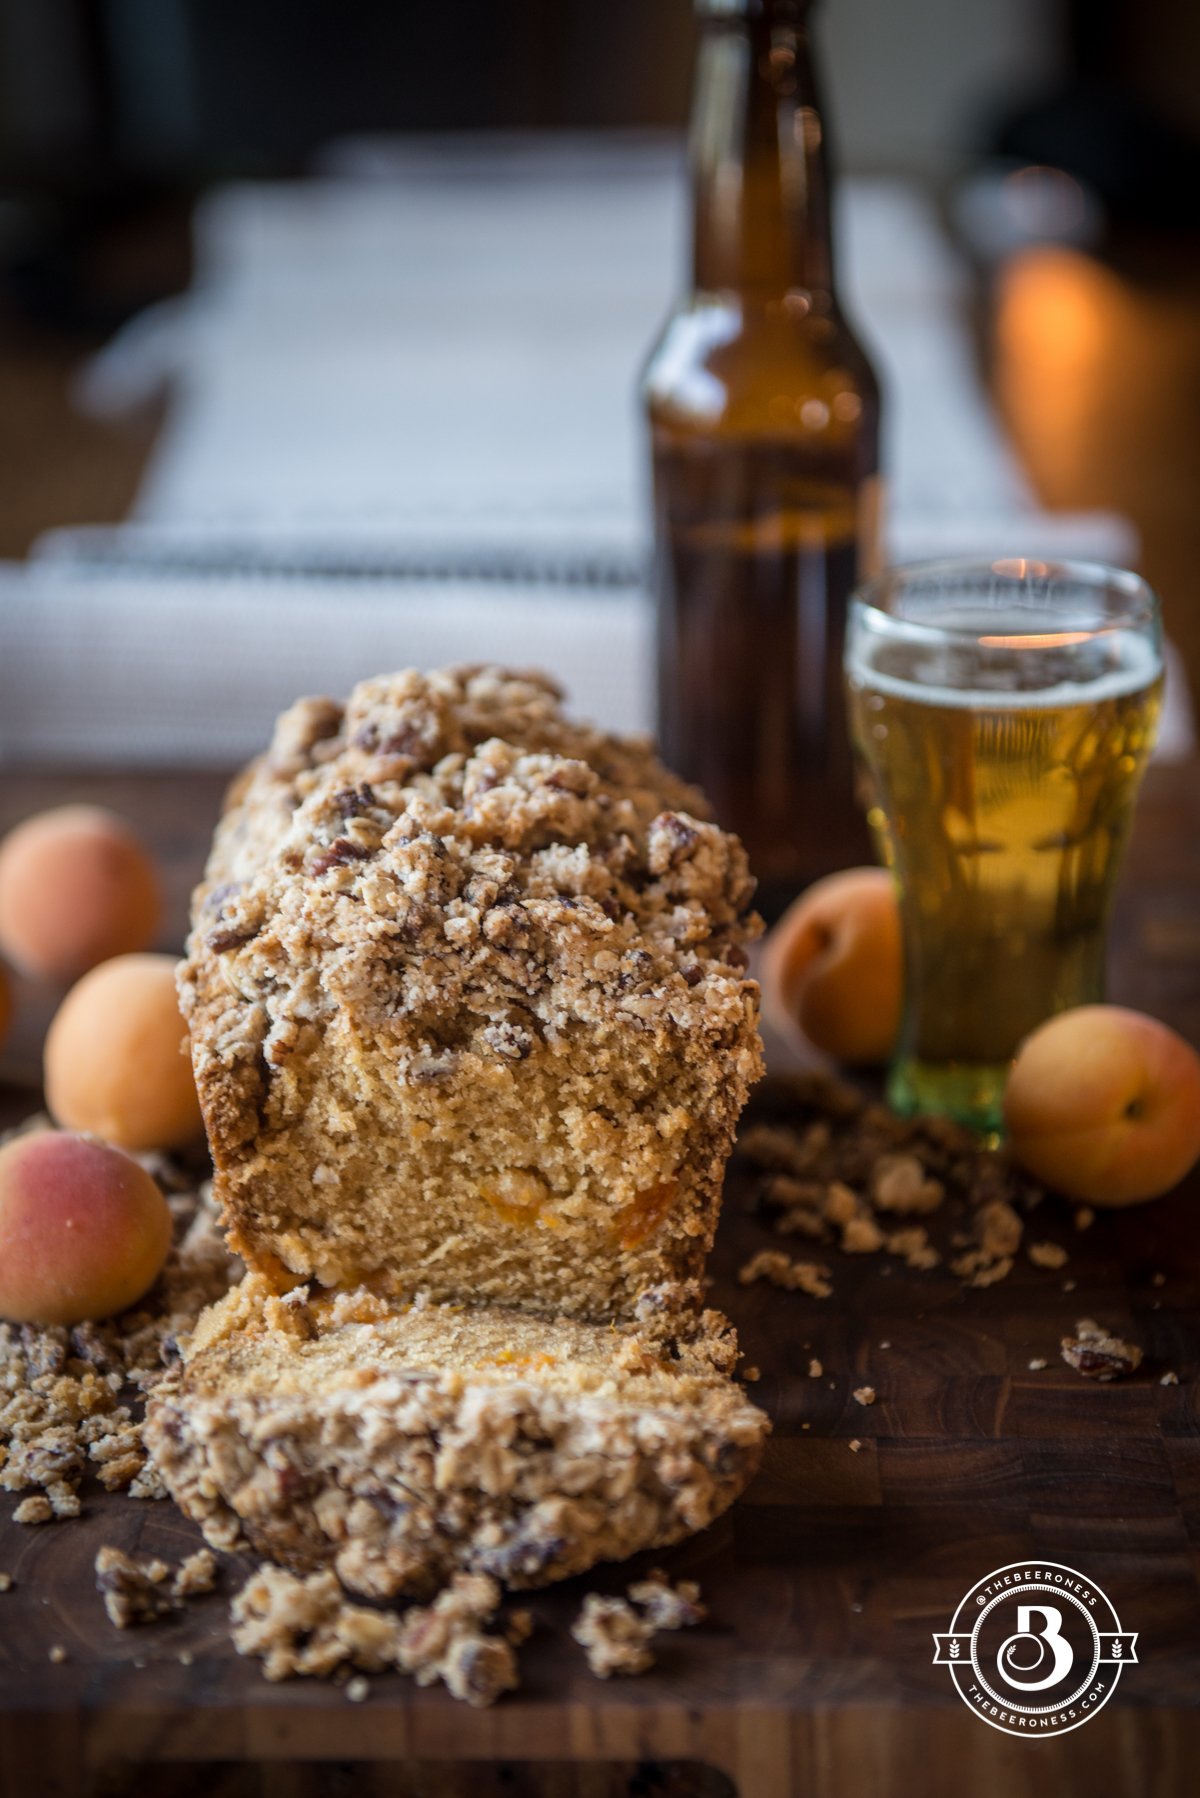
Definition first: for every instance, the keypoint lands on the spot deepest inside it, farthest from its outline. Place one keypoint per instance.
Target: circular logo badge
(1035, 1649)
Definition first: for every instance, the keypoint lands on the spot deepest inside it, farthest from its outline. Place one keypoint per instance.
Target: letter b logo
(1030, 1647)
(1021, 1658)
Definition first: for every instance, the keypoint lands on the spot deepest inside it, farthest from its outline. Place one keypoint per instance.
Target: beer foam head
(992, 659)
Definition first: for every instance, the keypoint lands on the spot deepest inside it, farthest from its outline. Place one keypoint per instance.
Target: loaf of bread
(471, 1029)
(468, 1004)
(400, 1444)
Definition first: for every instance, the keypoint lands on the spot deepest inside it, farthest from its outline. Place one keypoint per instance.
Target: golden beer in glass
(1002, 715)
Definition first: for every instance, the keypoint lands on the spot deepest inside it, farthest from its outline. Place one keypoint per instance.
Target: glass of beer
(1002, 714)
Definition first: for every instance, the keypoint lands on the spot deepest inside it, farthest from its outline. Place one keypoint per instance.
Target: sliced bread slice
(400, 1444)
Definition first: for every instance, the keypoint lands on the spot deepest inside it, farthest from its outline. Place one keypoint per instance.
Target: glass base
(969, 1092)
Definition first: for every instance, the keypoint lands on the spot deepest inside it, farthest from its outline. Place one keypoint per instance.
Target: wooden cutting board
(814, 1674)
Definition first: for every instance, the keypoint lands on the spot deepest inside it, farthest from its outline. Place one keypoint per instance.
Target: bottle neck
(760, 187)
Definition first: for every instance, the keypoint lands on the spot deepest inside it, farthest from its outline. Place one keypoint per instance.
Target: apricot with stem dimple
(84, 1230)
(1103, 1104)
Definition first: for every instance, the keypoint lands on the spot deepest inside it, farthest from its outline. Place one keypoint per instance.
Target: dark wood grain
(825, 1583)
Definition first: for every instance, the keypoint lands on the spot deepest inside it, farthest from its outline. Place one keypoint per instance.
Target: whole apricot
(1103, 1104)
(834, 965)
(84, 1230)
(76, 887)
(116, 1061)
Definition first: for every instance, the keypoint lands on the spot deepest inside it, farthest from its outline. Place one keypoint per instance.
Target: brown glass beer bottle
(764, 425)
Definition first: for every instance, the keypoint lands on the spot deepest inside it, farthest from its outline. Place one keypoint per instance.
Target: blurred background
(360, 287)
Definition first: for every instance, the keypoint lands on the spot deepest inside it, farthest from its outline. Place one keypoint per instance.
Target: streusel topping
(456, 830)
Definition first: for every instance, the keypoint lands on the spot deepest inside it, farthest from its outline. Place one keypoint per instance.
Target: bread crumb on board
(1047, 1254)
(668, 1606)
(307, 1627)
(838, 1169)
(137, 1592)
(35, 1509)
(779, 1269)
(613, 1637)
(1098, 1353)
(616, 1637)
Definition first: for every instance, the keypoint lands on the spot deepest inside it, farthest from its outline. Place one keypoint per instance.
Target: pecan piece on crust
(222, 941)
(339, 853)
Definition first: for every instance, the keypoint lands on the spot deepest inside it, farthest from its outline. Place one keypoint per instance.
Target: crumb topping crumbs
(616, 1637)
(1099, 1353)
(463, 808)
(1047, 1254)
(143, 1591)
(779, 1269)
(837, 1169)
(667, 1606)
(306, 1627)
(445, 1640)
(613, 1636)
(33, 1510)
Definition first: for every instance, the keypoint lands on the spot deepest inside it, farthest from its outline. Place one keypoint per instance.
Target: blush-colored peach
(76, 887)
(1103, 1104)
(84, 1230)
(833, 966)
(116, 1061)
